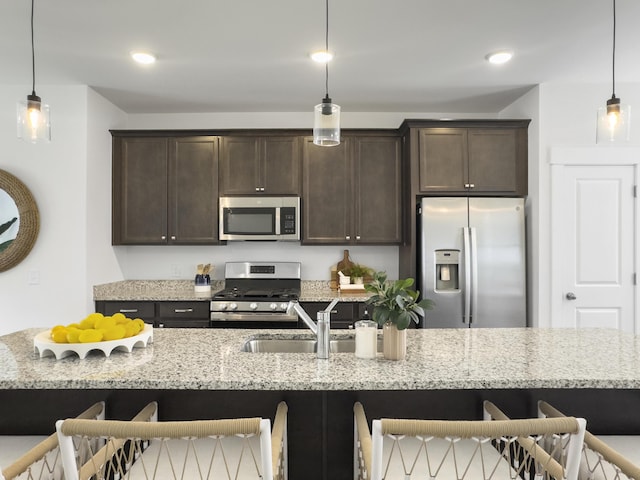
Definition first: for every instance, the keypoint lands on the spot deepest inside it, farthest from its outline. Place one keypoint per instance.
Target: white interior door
(593, 247)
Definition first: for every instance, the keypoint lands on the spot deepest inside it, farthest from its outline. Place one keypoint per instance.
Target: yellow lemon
(140, 323)
(131, 329)
(114, 333)
(120, 318)
(87, 323)
(72, 334)
(59, 335)
(73, 325)
(105, 323)
(90, 336)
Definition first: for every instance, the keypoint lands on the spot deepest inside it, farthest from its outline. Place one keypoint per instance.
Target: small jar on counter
(202, 285)
(366, 339)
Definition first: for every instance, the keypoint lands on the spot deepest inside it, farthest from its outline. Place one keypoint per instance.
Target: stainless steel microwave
(260, 218)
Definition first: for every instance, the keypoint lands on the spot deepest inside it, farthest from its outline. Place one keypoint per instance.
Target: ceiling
(252, 55)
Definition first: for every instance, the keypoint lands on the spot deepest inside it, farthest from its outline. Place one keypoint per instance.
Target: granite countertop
(182, 290)
(210, 359)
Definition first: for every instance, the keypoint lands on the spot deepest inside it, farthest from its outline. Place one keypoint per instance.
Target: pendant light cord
(33, 55)
(613, 66)
(326, 44)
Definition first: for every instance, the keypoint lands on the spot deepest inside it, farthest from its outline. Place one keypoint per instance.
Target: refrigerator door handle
(466, 313)
(473, 234)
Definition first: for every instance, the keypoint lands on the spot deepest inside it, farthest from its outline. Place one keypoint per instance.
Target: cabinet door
(377, 184)
(139, 191)
(443, 160)
(239, 166)
(493, 160)
(280, 166)
(260, 165)
(328, 201)
(193, 191)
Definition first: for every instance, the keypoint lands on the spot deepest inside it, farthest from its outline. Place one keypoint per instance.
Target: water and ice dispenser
(447, 270)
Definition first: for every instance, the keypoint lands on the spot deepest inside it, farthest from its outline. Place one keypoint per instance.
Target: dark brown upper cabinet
(165, 190)
(351, 192)
(260, 165)
(473, 161)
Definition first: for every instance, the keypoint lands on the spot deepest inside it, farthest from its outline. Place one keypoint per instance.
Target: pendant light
(33, 116)
(614, 119)
(326, 118)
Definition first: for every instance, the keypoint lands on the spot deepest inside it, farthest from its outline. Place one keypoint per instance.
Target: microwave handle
(277, 220)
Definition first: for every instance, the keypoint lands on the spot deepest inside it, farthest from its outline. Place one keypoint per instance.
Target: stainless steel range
(256, 295)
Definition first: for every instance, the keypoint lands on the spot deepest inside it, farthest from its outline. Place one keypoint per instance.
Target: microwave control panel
(287, 220)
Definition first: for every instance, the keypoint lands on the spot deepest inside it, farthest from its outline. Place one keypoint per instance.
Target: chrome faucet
(319, 329)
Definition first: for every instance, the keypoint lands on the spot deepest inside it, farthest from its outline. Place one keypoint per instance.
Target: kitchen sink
(280, 345)
(300, 345)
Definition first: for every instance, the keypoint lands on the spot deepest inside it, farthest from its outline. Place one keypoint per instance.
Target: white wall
(102, 264)
(55, 174)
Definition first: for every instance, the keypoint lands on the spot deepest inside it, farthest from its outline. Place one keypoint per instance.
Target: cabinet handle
(262, 189)
(161, 325)
(173, 237)
(469, 185)
(348, 237)
(183, 310)
(128, 310)
(257, 189)
(357, 237)
(163, 237)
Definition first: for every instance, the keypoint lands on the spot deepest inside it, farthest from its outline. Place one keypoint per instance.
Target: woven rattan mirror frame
(29, 221)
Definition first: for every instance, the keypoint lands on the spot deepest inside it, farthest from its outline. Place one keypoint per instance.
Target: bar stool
(599, 460)
(491, 448)
(41, 461)
(239, 448)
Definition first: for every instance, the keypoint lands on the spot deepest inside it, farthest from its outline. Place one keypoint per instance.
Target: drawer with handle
(143, 310)
(183, 310)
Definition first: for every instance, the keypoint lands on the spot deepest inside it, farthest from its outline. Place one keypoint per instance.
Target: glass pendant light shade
(34, 123)
(614, 119)
(614, 122)
(326, 123)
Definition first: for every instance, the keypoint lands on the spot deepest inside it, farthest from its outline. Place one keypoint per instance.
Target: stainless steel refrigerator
(472, 261)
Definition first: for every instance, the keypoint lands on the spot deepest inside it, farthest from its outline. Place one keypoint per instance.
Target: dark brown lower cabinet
(343, 315)
(179, 314)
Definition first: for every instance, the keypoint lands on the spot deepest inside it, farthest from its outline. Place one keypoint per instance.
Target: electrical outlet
(33, 277)
(176, 271)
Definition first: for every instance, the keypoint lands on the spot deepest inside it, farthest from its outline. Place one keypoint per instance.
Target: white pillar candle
(366, 339)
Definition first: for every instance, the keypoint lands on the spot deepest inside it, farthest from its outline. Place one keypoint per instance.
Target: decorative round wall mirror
(19, 221)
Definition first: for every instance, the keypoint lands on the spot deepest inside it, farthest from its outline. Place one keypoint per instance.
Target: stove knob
(223, 306)
(253, 306)
(273, 306)
(233, 306)
(283, 306)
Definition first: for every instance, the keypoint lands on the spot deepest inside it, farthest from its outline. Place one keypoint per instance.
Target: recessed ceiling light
(321, 56)
(144, 58)
(498, 58)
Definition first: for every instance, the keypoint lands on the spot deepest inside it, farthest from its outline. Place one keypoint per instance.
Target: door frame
(561, 157)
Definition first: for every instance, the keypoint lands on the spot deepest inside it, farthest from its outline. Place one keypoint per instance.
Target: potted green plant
(358, 272)
(395, 306)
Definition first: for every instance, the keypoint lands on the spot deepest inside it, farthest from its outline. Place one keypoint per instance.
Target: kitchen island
(593, 373)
